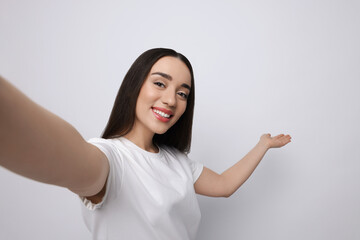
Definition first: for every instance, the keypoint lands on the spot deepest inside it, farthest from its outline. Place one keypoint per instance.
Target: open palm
(275, 142)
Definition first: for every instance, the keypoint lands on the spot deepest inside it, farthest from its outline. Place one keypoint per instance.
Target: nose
(169, 97)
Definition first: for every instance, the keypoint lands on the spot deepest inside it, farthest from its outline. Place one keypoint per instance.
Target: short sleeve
(109, 148)
(196, 168)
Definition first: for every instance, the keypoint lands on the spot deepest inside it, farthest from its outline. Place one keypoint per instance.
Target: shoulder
(101, 140)
(114, 143)
(112, 147)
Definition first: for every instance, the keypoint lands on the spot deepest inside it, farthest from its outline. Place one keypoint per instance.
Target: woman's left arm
(224, 185)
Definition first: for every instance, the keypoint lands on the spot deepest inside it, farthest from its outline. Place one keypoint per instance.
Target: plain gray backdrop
(260, 67)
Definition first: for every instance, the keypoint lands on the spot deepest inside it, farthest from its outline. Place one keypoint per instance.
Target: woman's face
(163, 97)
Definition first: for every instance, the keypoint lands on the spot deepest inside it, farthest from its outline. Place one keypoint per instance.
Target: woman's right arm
(39, 145)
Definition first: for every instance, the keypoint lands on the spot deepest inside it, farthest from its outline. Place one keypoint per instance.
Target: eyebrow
(168, 77)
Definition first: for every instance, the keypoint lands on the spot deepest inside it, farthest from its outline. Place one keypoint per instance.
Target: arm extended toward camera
(39, 145)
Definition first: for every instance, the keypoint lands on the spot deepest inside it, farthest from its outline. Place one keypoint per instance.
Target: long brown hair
(122, 116)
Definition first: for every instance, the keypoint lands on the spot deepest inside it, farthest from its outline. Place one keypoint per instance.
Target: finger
(285, 136)
(283, 140)
(279, 136)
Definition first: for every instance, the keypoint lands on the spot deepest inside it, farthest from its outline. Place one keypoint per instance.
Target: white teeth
(161, 113)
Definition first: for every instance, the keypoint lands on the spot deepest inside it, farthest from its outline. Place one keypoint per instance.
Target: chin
(162, 129)
(159, 132)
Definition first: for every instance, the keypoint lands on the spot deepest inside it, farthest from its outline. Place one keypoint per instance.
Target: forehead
(174, 67)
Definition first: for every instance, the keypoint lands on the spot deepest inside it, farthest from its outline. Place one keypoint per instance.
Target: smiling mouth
(164, 117)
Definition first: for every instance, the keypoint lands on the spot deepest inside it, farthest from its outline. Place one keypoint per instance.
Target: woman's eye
(183, 95)
(160, 84)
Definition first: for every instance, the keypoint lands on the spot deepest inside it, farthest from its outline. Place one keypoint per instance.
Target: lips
(162, 114)
(164, 110)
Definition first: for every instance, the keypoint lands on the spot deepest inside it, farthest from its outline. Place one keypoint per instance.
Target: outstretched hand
(275, 142)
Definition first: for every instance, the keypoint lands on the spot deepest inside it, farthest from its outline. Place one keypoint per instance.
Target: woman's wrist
(263, 145)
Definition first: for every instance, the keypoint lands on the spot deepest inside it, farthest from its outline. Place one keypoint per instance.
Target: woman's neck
(142, 140)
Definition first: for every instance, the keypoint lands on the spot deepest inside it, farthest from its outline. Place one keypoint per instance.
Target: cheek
(182, 109)
(146, 96)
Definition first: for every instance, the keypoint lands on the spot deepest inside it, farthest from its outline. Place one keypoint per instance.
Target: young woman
(136, 182)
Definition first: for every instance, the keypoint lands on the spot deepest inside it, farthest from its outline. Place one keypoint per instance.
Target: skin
(50, 150)
(224, 185)
(37, 144)
(158, 91)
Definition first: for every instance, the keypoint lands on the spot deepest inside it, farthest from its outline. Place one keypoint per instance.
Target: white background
(260, 66)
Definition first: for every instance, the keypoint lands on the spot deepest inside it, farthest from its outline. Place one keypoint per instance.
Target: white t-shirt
(148, 195)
